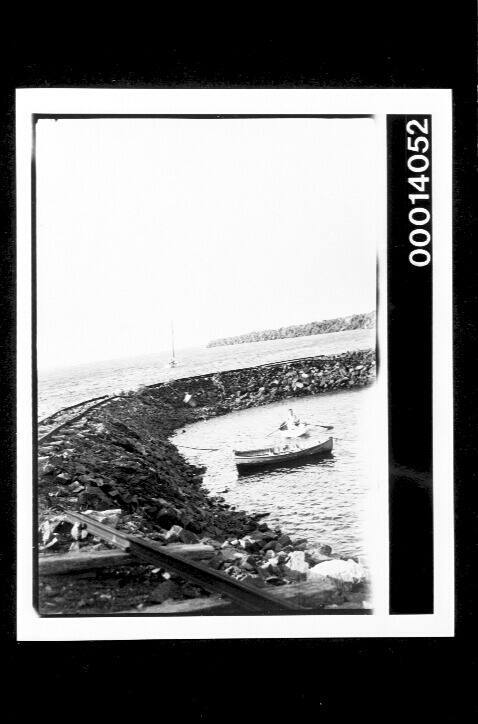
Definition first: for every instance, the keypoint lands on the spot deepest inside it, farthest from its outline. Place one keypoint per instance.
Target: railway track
(50, 425)
(288, 599)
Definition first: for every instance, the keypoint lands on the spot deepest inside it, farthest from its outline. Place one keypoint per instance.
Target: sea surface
(61, 387)
(327, 501)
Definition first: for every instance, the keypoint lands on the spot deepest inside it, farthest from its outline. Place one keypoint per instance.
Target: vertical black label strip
(410, 260)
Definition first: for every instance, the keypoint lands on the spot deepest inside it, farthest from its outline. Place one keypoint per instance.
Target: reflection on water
(325, 500)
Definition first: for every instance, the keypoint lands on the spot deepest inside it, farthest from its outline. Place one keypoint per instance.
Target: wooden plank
(306, 594)
(60, 564)
(190, 551)
(194, 606)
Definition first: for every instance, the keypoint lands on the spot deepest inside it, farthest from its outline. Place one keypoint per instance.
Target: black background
(401, 45)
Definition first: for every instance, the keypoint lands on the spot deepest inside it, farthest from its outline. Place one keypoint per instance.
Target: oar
(209, 449)
(327, 427)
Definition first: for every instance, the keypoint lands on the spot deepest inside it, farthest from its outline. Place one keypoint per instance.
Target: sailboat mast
(172, 338)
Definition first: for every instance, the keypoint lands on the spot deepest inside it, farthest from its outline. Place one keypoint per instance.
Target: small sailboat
(173, 361)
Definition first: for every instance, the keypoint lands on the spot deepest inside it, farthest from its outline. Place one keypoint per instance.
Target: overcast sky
(224, 226)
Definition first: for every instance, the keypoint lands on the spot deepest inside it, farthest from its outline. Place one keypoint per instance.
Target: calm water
(62, 387)
(327, 501)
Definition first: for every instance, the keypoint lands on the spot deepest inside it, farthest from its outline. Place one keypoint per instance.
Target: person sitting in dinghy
(292, 426)
(291, 422)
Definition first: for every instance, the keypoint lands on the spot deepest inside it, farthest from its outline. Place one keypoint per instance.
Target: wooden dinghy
(280, 454)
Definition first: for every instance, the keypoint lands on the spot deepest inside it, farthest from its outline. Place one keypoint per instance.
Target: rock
(318, 554)
(46, 531)
(230, 554)
(166, 518)
(76, 487)
(297, 563)
(271, 546)
(233, 571)
(247, 566)
(249, 543)
(264, 537)
(256, 581)
(51, 544)
(284, 540)
(64, 477)
(190, 591)
(298, 542)
(76, 530)
(108, 517)
(174, 534)
(291, 575)
(163, 591)
(187, 536)
(338, 570)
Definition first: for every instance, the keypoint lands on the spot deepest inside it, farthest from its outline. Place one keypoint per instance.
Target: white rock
(297, 562)
(346, 571)
(108, 517)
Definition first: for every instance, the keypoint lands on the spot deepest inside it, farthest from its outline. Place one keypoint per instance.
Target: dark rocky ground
(118, 457)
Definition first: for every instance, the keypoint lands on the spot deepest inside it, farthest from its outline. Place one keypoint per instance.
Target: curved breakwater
(119, 457)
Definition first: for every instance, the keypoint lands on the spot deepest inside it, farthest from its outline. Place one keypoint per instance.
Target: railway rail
(245, 596)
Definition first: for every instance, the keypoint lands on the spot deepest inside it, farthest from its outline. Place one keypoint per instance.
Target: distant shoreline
(327, 326)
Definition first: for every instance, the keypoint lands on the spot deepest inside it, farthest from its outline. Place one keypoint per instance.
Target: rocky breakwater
(116, 462)
(239, 389)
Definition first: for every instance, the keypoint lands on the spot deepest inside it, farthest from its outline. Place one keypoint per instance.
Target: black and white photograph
(240, 401)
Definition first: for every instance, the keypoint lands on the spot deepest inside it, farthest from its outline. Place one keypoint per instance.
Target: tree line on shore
(340, 324)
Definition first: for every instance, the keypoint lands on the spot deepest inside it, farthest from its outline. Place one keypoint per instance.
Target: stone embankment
(117, 460)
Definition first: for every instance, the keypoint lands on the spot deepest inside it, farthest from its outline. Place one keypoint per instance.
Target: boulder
(174, 534)
(108, 517)
(272, 545)
(296, 567)
(249, 543)
(230, 554)
(165, 590)
(187, 536)
(297, 562)
(299, 541)
(300, 546)
(166, 518)
(338, 570)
